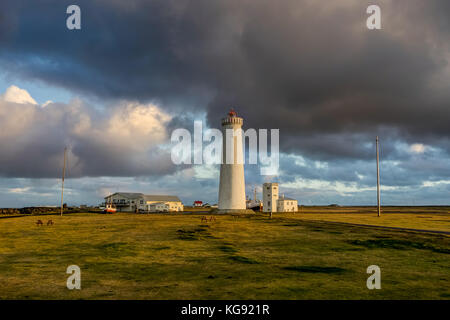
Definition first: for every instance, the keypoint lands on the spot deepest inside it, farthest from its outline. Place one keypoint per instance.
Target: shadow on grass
(243, 259)
(315, 269)
(117, 249)
(397, 244)
(194, 234)
(161, 248)
(227, 249)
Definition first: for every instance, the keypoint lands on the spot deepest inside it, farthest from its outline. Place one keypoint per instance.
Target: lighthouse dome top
(232, 118)
(232, 113)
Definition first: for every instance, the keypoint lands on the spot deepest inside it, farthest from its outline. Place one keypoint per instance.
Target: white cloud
(206, 172)
(18, 190)
(417, 148)
(435, 183)
(321, 165)
(340, 188)
(46, 103)
(16, 95)
(124, 139)
(136, 125)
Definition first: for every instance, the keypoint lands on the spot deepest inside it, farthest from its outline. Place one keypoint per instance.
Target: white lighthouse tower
(232, 183)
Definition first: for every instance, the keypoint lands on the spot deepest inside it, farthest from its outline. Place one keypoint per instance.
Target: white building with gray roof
(273, 203)
(139, 202)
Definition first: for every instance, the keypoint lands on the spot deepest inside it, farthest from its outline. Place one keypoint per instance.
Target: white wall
(287, 205)
(270, 197)
(232, 183)
(130, 203)
(172, 206)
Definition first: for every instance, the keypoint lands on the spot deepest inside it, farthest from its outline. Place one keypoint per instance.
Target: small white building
(273, 203)
(173, 203)
(198, 203)
(132, 202)
(158, 207)
(285, 204)
(270, 197)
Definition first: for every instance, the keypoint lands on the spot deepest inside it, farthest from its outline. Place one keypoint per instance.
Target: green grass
(428, 218)
(315, 269)
(398, 244)
(157, 256)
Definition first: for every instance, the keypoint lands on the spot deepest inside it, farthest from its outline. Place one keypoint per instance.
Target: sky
(115, 90)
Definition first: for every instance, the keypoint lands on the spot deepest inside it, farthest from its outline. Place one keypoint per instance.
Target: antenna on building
(378, 180)
(63, 176)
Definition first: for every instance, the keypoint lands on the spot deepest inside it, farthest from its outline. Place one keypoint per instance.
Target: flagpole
(63, 176)
(378, 180)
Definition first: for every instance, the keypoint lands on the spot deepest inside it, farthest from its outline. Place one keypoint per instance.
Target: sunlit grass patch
(315, 269)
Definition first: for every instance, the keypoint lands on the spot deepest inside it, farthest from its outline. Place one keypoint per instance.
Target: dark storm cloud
(310, 68)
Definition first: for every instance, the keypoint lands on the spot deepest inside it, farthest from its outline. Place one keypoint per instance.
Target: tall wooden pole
(378, 180)
(63, 176)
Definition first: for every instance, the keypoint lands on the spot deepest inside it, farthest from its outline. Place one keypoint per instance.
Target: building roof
(146, 197)
(129, 195)
(161, 198)
(286, 198)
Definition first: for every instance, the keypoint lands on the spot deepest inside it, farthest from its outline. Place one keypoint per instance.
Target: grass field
(157, 256)
(424, 218)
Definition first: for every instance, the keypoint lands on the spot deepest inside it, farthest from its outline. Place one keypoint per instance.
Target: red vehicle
(110, 208)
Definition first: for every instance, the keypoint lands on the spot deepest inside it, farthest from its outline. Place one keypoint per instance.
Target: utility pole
(378, 180)
(63, 176)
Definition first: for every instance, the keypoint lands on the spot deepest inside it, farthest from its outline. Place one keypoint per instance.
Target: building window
(142, 202)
